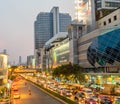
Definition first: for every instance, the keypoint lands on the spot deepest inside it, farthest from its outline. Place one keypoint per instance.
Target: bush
(12, 77)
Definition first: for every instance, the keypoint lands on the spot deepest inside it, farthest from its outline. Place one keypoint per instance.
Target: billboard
(60, 54)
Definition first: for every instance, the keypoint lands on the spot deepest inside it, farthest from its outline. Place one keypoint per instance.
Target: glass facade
(43, 29)
(105, 49)
(111, 4)
(64, 20)
(47, 25)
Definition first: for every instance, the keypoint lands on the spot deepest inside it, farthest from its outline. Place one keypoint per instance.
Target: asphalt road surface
(37, 96)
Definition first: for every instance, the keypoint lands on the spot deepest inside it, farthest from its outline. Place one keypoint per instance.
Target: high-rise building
(85, 13)
(31, 61)
(105, 7)
(3, 69)
(107, 4)
(43, 29)
(55, 12)
(102, 7)
(46, 26)
(49, 24)
(20, 60)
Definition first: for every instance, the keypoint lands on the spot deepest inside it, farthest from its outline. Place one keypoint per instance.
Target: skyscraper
(20, 60)
(105, 7)
(46, 26)
(107, 4)
(102, 7)
(43, 29)
(49, 24)
(55, 12)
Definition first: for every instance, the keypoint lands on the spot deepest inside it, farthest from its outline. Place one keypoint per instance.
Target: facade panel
(102, 42)
(105, 49)
(60, 54)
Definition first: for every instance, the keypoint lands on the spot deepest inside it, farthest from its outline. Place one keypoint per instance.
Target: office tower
(30, 61)
(85, 13)
(105, 7)
(47, 25)
(107, 4)
(60, 21)
(20, 60)
(55, 12)
(5, 51)
(43, 29)
(102, 7)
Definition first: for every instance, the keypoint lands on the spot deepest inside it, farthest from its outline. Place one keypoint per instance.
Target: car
(105, 100)
(95, 98)
(79, 97)
(90, 101)
(15, 88)
(117, 101)
(87, 92)
(67, 93)
(16, 95)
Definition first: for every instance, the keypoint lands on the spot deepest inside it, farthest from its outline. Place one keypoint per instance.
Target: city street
(60, 52)
(37, 96)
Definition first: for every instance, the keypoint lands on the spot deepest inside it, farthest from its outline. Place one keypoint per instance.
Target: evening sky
(17, 24)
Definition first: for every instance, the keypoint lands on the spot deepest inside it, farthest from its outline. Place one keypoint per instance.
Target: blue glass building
(105, 49)
(43, 29)
(49, 24)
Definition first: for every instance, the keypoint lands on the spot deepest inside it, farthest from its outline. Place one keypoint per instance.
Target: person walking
(29, 91)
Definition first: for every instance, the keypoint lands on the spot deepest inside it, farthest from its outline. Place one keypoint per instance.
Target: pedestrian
(29, 91)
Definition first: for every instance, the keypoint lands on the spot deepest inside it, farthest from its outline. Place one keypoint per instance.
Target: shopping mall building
(94, 45)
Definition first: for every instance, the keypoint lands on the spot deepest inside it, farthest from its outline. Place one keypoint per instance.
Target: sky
(17, 24)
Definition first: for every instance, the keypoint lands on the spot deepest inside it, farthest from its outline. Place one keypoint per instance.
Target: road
(37, 96)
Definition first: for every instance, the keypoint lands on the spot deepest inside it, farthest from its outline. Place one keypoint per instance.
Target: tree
(11, 71)
(70, 72)
(78, 73)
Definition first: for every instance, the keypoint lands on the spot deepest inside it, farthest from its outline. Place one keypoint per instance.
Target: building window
(115, 17)
(104, 23)
(107, 4)
(109, 20)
